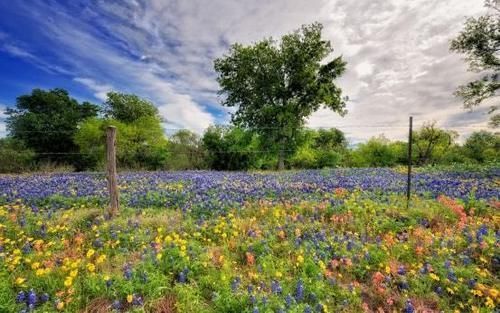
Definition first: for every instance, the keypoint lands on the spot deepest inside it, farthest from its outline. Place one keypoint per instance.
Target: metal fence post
(408, 185)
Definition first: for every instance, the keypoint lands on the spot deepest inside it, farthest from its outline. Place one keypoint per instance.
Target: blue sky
(163, 50)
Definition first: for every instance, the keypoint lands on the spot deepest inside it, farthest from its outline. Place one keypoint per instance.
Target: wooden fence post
(111, 170)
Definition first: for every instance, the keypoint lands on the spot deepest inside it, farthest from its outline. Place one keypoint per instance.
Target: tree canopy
(46, 122)
(275, 86)
(128, 108)
(480, 42)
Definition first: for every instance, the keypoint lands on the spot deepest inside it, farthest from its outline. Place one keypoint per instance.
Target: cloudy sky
(397, 53)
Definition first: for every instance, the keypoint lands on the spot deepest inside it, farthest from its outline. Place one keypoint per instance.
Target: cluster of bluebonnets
(219, 190)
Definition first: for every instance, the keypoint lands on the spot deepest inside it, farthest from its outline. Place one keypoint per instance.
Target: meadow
(339, 240)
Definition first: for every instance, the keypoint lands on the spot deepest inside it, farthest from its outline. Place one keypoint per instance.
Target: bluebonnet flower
(235, 283)
(288, 301)
(117, 305)
(401, 270)
(32, 298)
(409, 308)
(21, 297)
(127, 272)
(276, 287)
(182, 278)
(481, 232)
(299, 291)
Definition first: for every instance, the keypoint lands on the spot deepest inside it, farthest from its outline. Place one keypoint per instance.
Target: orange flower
(250, 258)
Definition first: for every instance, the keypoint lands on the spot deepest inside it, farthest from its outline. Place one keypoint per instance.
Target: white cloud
(398, 55)
(100, 90)
(2, 112)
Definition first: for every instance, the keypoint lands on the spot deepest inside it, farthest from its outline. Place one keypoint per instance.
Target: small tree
(275, 86)
(431, 142)
(185, 151)
(483, 146)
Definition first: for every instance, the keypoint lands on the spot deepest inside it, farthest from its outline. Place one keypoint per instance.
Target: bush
(14, 156)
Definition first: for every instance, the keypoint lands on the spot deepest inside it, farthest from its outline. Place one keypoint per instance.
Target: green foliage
(430, 143)
(139, 145)
(480, 42)
(46, 122)
(230, 148)
(374, 153)
(14, 156)
(128, 108)
(483, 146)
(185, 151)
(276, 85)
(319, 149)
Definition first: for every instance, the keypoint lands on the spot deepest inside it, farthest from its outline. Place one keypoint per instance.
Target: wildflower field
(308, 241)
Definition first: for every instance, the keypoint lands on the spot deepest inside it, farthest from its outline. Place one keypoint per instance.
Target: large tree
(275, 86)
(480, 42)
(46, 122)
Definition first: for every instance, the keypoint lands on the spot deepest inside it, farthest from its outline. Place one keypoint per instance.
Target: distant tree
(231, 148)
(139, 145)
(431, 142)
(480, 42)
(128, 108)
(185, 151)
(276, 85)
(15, 157)
(483, 146)
(319, 148)
(46, 122)
(376, 152)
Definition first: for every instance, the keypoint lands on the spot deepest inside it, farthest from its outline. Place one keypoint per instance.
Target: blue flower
(299, 291)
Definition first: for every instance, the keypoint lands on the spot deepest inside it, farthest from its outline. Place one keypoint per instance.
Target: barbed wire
(272, 128)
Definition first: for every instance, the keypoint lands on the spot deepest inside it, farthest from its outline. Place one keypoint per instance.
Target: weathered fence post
(111, 170)
(408, 185)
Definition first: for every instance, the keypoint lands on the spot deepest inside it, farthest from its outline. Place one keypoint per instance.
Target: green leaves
(480, 42)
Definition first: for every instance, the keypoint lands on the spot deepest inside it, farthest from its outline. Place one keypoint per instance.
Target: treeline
(49, 129)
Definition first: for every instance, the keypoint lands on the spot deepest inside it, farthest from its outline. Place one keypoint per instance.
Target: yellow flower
(60, 305)
(35, 265)
(68, 281)
(130, 298)
(434, 276)
(101, 259)
(300, 259)
(73, 273)
(387, 269)
(90, 253)
(278, 275)
(91, 267)
(20, 281)
(490, 303)
(494, 293)
(159, 256)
